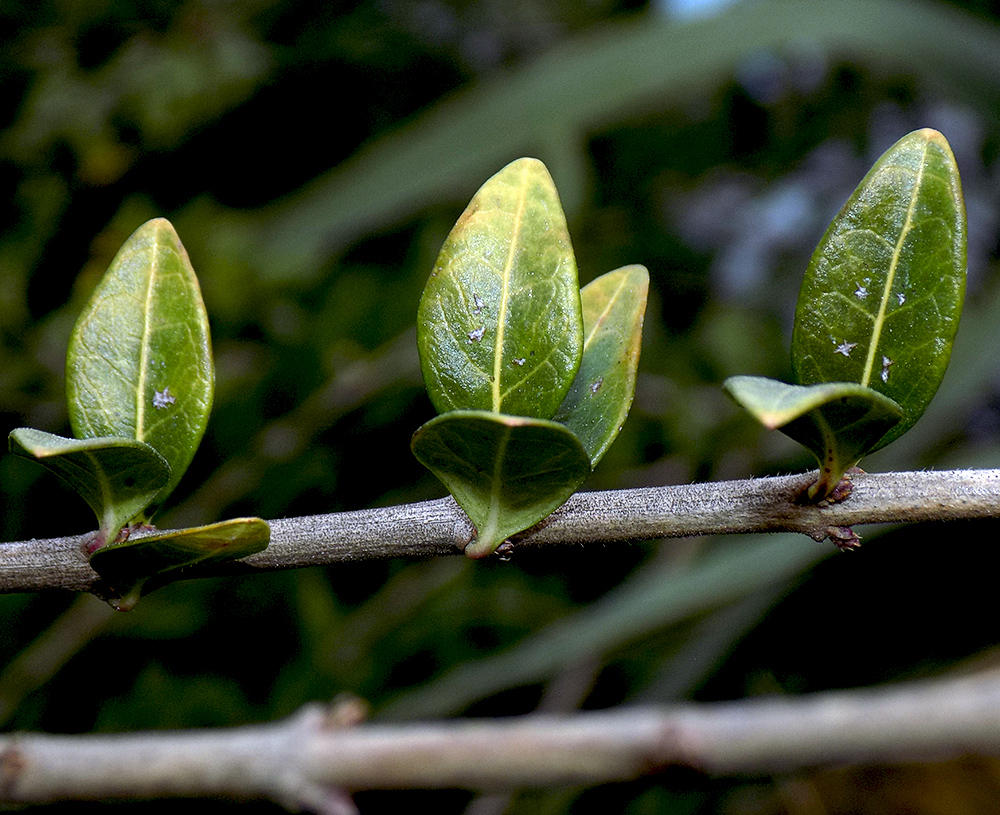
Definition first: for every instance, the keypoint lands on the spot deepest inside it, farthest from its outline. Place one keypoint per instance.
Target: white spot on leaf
(479, 303)
(901, 298)
(596, 386)
(861, 292)
(886, 364)
(845, 348)
(163, 398)
(477, 335)
(519, 361)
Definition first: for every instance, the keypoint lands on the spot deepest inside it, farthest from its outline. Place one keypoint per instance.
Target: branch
(440, 528)
(306, 760)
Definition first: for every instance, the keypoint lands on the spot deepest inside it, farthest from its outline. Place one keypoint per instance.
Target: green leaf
(838, 422)
(117, 477)
(139, 363)
(882, 297)
(499, 325)
(599, 400)
(506, 472)
(127, 567)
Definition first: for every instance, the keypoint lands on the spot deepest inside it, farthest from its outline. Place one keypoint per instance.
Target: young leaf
(837, 421)
(882, 296)
(139, 362)
(601, 395)
(127, 568)
(499, 325)
(506, 472)
(117, 477)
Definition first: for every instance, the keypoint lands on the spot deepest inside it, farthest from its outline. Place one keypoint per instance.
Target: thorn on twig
(505, 552)
(346, 710)
(844, 538)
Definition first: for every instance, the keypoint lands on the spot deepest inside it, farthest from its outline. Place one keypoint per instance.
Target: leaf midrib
(890, 277)
(505, 294)
(140, 396)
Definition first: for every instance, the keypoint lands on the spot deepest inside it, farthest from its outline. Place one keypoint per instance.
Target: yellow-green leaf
(499, 325)
(599, 400)
(139, 362)
(130, 568)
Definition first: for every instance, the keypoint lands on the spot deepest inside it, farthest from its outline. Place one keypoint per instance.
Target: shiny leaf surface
(837, 421)
(506, 472)
(128, 567)
(881, 300)
(499, 325)
(117, 477)
(601, 395)
(139, 363)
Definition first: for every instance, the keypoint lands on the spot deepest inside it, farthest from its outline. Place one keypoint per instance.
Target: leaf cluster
(139, 383)
(533, 377)
(877, 313)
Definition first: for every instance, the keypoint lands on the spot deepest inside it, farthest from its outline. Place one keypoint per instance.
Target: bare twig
(440, 528)
(306, 759)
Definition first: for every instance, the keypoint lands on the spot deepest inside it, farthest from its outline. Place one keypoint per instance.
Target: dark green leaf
(126, 567)
(117, 477)
(139, 363)
(837, 421)
(506, 472)
(882, 297)
(599, 400)
(499, 325)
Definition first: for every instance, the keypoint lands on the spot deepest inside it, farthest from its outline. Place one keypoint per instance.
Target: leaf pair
(533, 378)
(877, 312)
(139, 384)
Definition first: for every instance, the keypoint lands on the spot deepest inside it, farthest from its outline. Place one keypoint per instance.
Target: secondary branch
(304, 761)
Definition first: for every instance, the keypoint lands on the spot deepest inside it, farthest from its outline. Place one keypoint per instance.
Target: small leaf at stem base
(837, 421)
(126, 568)
(117, 477)
(506, 472)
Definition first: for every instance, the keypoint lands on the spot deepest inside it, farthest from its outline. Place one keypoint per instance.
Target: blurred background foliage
(313, 157)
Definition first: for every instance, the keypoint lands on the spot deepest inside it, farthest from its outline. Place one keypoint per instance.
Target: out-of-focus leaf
(126, 567)
(838, 421)
(117, 477)
(499, 325)
(506, 472)
(883, 293)
(139, 362)
(601, 395)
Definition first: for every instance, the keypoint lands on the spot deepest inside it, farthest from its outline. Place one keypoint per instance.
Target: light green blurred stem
(547, 107)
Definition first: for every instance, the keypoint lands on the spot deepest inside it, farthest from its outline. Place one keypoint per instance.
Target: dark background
(312, 158)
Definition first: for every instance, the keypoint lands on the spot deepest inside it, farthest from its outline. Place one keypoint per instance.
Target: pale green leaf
(128, 567)
(599, 400)
(881, 300)
(139, 362)
(506, 472)
(117, 477)
(499, 325)
(837, 421)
